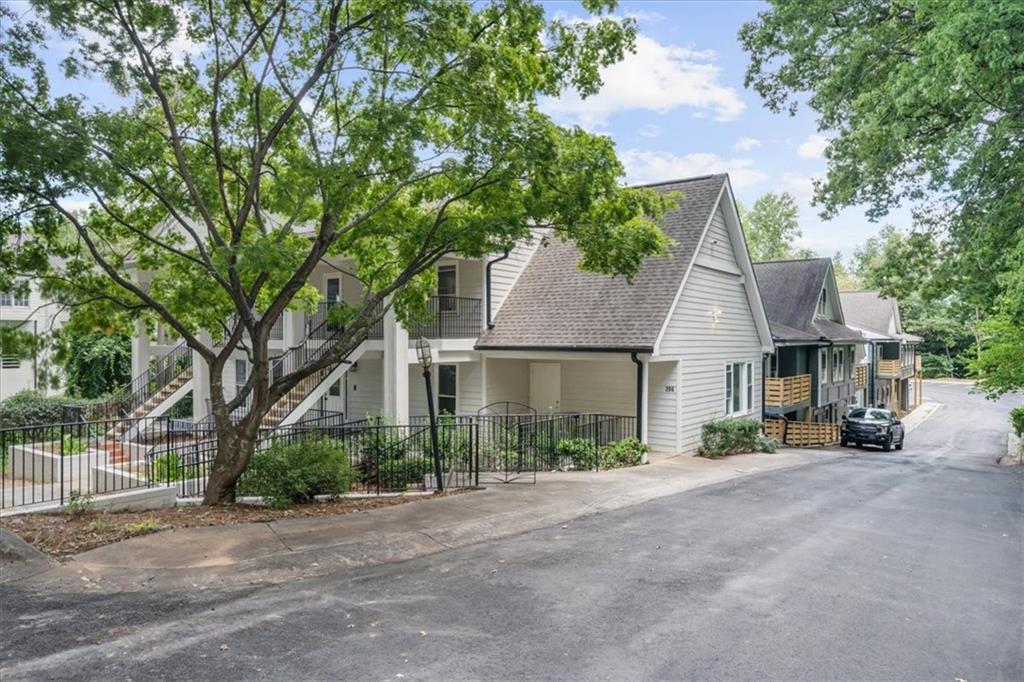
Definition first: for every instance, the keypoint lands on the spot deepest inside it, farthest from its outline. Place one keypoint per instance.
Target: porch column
(140, 349)
(396, 369)
(200, 382)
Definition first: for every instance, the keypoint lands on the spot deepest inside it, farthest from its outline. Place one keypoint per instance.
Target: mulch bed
(63, 535)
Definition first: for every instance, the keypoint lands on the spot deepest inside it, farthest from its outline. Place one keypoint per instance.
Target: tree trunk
(234, 450)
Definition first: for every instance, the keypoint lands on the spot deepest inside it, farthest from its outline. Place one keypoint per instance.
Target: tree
(96, 360)
(771, 226)
(923, 104)
(392, 133)
(846, 278)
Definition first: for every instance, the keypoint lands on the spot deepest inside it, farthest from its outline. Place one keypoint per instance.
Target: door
(546, 386)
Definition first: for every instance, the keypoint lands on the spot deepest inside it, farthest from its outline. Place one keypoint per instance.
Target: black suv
(873, 426)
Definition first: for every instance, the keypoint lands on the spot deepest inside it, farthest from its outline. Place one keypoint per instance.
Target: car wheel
(887, 445)
(899, 446)
(843, 443)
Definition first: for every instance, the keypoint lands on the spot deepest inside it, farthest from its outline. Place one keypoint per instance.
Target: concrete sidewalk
(296, 548)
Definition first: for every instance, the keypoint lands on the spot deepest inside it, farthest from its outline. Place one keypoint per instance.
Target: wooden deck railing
(917, 363)
(860, 376)
(888, 368)
(802, 433)
(781, 391)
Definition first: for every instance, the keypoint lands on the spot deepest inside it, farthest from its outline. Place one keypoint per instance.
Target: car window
(877, 415)
(857, 414)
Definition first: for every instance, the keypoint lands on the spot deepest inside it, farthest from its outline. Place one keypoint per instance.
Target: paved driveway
(905, 565)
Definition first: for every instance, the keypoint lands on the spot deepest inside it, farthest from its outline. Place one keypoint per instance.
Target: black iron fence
(59, 462)
(449, 317)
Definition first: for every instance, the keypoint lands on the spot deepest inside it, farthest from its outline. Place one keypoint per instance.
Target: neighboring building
(891, 360)
(811, 376)
(32, 313)
(681, 345)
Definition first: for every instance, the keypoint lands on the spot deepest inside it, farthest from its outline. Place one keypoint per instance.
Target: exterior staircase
(169, 374)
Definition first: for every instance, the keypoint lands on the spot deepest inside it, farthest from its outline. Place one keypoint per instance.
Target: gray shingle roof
(869, 310)
(789, 291)
(556, 305)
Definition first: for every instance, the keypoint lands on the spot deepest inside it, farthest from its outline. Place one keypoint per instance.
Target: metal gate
(505, 452)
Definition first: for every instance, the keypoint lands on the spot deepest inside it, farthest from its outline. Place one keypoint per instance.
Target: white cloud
(813, 147)
(745, 144)
(649, 130)
(646, 166)
(657, 78)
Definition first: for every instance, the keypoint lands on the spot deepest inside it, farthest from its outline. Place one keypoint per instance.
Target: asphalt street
(905, 565)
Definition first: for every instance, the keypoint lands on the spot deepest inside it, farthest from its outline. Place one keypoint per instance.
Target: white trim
(341, 285)
(746, 377)
(679, 405)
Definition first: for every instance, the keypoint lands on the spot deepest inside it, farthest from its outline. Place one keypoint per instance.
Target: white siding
(418, 392)
(661, 406)
(508, 380)
(470, 387)
(366, 389)
(712, 325)
(505, 273)
(604, 386)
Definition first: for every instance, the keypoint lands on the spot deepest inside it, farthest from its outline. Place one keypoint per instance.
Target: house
(28, 311)
(890, 358)
(528, 330)
(811, 376)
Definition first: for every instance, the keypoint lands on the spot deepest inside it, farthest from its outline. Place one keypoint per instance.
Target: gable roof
(557, 306)
(790, 290)
(869, 311)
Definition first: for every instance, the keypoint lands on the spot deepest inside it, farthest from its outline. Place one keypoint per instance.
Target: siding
(508, 380)
(661, 406)
(365, 389)
(468, 375)
(470, 378)
(703, 345)
(607, 387)
(505, 273)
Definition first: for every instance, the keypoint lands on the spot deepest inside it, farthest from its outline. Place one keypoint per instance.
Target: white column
(396, 369)
(200, 382)
(645, 398)
(140, 349)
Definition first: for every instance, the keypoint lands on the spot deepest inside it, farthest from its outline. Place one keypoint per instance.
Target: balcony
(860, 376)
(786, 391)
(449, 317)
(889, 369)
(319, 327)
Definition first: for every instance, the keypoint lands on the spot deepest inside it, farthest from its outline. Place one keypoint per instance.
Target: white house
(681, 345)
(32, 313)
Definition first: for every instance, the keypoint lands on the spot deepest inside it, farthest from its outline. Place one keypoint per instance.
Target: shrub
(399, 474)
(1017, 421)
(766, 443)
(729, 436)
(71, 445)
(628, 452)
(78, 503)
(30, 408)
(581, 451)
(289, 473)
(166, 468)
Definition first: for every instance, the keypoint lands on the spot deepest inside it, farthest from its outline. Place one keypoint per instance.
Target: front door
(546, 386)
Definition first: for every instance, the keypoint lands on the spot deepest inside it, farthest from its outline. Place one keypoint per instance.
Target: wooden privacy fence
(888, 368)
(779, 391)
(860, 376)
(802, 433)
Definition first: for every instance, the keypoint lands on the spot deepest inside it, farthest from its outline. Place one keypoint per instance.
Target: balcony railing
(860, 376)
(889, 368)
(319, 326)
(449, 317)
(782, 391)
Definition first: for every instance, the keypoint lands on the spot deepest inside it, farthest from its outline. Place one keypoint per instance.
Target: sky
(678, 108)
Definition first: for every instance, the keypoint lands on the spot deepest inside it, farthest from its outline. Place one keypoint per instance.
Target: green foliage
(400, 474)
(1017, 421)
(95, 363)
(771, 226)
(143, 527)
(78, 503)
(71, 445)
(29, 408)
(166, 469)
(729, 437)
(582, 452)
(923, 106)
(286, 474)
(766, 443)
(627, 452)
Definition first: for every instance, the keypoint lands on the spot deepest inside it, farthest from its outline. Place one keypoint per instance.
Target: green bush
(729, 437)
(70, 445)
(581, 451)
(290, 473)
(166, 468)
(30, 408)
(628, 452)
(1017, 421)
(766, 443)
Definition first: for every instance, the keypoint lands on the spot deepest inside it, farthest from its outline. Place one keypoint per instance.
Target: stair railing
(142, 388)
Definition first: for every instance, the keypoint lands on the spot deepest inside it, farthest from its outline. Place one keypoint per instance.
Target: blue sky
(677, 108)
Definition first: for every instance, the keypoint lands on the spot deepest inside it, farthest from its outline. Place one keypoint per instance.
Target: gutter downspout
(639, 396)
(490, 324)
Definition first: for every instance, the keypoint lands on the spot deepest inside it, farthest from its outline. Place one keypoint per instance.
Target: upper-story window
(18, 300)
(447, 288)
(822, 310)
(823, 366)
(838, 364)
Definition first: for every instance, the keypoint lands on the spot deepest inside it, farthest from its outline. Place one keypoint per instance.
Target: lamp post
(423, 354)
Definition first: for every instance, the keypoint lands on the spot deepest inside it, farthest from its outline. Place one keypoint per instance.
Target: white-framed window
(823, 366)
(739, 387)
(17, 300)
(335, 390)
(447, 288)
(838, 364)
(447, 383)
(241, 374)
(822, 310)
(332, 288)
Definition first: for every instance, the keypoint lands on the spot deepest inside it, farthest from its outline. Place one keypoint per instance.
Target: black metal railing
(320, 326)
(449, 317)
(162, 371)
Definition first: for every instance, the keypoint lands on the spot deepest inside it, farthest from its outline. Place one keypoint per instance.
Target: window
(823, 366)
(446, 384)
(10, 362)
(277, 331)
(241, 374)
(838, 364)
(822, 310)
(332, 288)
(447, 288)
(335, 389)
(18, 300)
(739, 387)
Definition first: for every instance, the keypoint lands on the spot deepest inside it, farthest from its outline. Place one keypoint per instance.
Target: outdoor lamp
(423, 352)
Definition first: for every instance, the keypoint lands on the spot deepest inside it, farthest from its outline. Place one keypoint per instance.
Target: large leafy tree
(925, 103)
(771, 226)
(391, 132)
